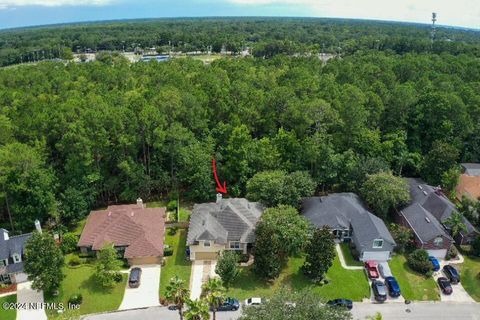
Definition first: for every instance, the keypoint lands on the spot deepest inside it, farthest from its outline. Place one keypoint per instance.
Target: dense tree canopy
(109, 131)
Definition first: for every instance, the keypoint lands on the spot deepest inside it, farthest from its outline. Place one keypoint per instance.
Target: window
(438, 242)
(3, 263)
(377, 243)
(235, 245)
(206, 243)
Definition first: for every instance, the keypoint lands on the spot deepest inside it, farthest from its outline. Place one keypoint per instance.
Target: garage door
(438, 253)
(205, 256)
(376, 255)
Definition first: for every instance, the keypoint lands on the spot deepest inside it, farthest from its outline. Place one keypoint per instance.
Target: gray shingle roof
(434, 201)
(472, 169)
(423, 223)
(345, 210)
(15, 244)
(232, 219)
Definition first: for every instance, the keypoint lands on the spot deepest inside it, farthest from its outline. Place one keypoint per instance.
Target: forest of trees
(265, 36)
(78, 136)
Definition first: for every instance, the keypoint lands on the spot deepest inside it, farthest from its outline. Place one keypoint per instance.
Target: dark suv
(379, 291)
(229, 304)
(452, 274)
(393, 287)
(341, 303)
(134, 279)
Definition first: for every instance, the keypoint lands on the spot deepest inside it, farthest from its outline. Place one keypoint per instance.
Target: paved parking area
(25, 294)
(459, 294)
(202, 270)
(146, 295)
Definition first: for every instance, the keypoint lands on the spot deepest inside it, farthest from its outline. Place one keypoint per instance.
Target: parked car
(341, 303)
(445, 285)
(379, 290)
(134, 278)
(384, 269)
(253, 302)
(452, 274)
(371, 267)
(229, 304)
(392, 286)
(435, 263)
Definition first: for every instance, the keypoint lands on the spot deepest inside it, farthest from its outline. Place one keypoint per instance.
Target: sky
(17, 13)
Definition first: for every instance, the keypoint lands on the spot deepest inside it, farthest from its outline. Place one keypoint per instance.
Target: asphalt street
(393, 311)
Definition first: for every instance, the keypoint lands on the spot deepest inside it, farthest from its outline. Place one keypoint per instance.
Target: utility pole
(434, 27)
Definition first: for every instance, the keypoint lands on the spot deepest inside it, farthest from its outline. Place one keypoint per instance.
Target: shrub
(418, 261)
(76, 299)
(118, 277)
(172, 205)
(172, 231)
(476, 247)
(168, 251)
(69, 243)
(74, 261)
(452, 253)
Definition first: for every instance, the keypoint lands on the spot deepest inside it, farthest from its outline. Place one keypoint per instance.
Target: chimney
(5, 234)
(219, 197)
(38, 226)
(140, 202)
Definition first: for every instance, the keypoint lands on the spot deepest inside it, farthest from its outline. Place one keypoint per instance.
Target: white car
(253, 301)
(384, 269)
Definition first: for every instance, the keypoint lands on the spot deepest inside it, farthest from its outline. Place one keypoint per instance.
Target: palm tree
(455, 223)
(214, 293)
(177, 293)
(197, 310)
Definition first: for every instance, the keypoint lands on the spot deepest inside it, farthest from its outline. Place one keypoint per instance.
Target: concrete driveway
(146, 295)
(202, 270)
(25, 294)
(459, 294)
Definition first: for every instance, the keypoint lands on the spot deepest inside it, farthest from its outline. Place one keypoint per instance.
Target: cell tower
(434, 27)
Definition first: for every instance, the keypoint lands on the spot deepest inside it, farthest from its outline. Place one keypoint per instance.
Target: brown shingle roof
(468, 186)
(140, 229)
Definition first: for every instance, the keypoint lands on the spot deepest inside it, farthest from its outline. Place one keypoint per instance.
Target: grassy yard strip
(470, 275)
(9, 314)
(414, 286)
(95, 298)
(350, 284)
(177, 264)
(347, 255)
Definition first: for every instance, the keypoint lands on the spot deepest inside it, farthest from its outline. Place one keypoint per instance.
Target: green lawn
(9, 314)
(470, 274)
(95, 298)
(349, 284)
(184, 214)
(347, 254)
(414, 286)
(156, 204)
(177, 264)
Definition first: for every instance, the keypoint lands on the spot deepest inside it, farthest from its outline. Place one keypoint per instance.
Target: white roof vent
(425, 193)
(420, 187)
(428, 220)
(132, 213)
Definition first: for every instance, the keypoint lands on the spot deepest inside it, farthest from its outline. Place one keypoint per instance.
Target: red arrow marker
(220, 188)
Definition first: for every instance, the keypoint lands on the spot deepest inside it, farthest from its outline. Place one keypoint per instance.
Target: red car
(371, 267)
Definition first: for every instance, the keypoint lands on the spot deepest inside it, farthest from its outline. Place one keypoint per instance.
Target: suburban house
(349, 220)
(469, 182)
(12, 256)
(428, 204)
(228, 224)
(135, 231)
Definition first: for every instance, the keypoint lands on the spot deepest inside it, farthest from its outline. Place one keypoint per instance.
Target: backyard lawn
(414, 286)
(95, 298)
(347, 255)
(177, 264)
(349, 284)
(470, 274)
(9, 314)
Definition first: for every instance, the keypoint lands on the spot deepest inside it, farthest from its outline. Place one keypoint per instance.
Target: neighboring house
(228, 224)
(469, 182)
(135, 231)
(439, 207)
(12, 256)
(348, 218)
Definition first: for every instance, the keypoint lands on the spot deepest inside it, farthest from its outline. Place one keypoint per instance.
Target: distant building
(158, 58)
(469, 182)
